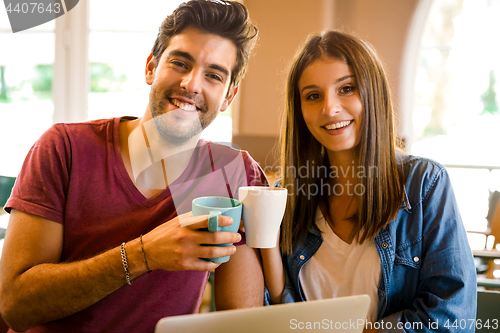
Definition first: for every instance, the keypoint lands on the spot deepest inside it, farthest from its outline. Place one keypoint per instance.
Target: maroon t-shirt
(74, 175)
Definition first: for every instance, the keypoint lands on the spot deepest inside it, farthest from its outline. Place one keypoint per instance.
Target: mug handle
(213, 220)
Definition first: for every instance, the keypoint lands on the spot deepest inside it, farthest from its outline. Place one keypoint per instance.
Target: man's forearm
(35, 288)
(47, 292)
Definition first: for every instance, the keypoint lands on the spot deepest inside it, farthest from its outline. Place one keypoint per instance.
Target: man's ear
(150, 69)
(229, 99)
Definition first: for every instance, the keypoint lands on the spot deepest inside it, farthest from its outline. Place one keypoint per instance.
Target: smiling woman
(394, 234)
(331, 104)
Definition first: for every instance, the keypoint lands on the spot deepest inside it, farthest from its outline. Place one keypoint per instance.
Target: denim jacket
(428, 273)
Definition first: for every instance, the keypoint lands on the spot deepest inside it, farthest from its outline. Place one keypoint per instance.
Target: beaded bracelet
(144, 254)
(125, 263)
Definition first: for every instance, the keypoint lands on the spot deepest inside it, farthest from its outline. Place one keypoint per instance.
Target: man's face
(190, 83)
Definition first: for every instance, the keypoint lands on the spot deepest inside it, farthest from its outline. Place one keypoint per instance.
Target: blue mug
(213, 207)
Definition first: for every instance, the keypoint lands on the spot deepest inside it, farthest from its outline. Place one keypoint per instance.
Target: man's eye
(313, 96)
(179, 63)
(215, 77)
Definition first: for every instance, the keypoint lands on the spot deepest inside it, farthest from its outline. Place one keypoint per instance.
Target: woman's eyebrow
(343, 78)
(311, 86)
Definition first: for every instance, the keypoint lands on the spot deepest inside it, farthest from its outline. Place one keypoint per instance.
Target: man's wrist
(135, 259)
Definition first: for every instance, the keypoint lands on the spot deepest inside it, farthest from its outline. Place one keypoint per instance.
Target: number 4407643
(478, 324)
(34, 7)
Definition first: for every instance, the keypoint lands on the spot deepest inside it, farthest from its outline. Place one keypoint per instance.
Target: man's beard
(167, 123)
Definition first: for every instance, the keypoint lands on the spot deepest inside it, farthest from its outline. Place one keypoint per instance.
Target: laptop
(346, 314)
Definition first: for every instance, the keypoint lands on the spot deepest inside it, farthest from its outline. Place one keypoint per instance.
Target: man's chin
(176, 140)
(176, 136)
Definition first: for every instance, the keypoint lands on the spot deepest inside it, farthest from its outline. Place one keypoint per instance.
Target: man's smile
(183, 105)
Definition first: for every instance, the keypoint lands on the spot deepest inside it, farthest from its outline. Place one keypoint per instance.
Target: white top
(341, 269)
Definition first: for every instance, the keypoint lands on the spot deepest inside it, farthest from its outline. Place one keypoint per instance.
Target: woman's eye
(347, 89)
(312, 97)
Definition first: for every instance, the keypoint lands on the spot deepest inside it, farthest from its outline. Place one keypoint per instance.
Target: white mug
(263, 209)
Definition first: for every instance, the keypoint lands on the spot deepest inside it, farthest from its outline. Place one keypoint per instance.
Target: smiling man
(189, 83)
(101, 237)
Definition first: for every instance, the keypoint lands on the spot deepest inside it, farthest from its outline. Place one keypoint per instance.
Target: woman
(363, 218)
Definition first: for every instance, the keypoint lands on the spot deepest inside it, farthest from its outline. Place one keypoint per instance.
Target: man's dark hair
(227, 19)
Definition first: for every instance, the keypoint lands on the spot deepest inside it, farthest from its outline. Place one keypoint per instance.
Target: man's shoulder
(84, 125)
(231, 159)
(223, 147)
(226, 151)
(75, 131)
(77, 135)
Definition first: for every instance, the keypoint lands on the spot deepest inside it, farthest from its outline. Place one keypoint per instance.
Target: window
(26, 105)
(118, 50)
(36, 90)
(456, 118)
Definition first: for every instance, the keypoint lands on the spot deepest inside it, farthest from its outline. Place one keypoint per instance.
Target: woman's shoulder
(420, 176)
(412, 163)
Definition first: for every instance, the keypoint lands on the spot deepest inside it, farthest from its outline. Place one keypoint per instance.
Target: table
(487, 254)
(488, 283)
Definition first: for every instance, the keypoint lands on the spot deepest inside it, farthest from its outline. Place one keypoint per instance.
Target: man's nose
(191, 81)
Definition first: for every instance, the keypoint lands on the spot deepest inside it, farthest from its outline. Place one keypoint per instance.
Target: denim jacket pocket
(407, 263)
(409, 255)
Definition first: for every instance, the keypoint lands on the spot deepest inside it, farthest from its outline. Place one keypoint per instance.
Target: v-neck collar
(123, 170)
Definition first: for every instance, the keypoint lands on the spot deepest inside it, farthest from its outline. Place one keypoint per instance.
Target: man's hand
(35, 287)
(177, 244)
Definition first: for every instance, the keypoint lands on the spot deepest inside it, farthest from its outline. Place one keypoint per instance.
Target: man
(95, 242)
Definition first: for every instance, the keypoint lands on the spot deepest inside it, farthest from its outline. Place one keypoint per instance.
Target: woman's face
(331, 105)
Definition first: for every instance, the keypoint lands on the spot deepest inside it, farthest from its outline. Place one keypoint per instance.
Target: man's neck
(174, 158)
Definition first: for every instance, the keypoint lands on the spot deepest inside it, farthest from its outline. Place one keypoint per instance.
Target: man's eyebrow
(177, 53)
(219, 68)
(336, 81)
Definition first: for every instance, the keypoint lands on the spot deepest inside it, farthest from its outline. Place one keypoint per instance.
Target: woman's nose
(332, 105)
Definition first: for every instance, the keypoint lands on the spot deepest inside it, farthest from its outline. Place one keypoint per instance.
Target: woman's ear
(150, 69)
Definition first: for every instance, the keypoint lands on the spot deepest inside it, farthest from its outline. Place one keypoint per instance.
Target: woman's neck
(341, 201)
(343, 168)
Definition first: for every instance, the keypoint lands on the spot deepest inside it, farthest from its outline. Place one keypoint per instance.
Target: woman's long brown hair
(300, 151)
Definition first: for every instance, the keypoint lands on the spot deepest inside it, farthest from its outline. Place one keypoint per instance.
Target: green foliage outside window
(104, 79)
(39, 86)
(489, 98)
